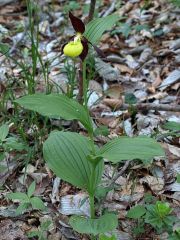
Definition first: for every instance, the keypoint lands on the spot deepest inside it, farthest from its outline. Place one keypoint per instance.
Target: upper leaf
(104, 224)
(96, 28)
(4, 130)
(65, 154)
(77, 23)
(55, 106)
(127, 148)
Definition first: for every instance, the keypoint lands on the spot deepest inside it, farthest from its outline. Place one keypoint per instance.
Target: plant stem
(93, 172)
(85, 88)
(80, 85)
(92, 207)
(91, 10)
(92, 211)
(91, 197)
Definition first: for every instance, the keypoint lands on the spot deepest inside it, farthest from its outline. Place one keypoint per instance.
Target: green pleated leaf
(104, 224)
(65, 154)
(96, 28)
(127, 148)
(4, 130)
(55, 106)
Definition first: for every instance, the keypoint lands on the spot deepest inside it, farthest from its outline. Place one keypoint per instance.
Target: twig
(91, 10)
(152, 106)
(5, 2)
(109, 10)
(120, 173)
(19, 40)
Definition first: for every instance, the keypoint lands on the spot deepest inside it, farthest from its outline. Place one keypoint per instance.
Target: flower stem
(93, 172)
(92, 195)
(85, 87)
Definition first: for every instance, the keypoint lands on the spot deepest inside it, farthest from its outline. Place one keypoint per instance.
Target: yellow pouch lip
(73, 49)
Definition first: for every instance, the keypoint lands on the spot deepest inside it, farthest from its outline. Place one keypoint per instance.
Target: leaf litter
(143, 56)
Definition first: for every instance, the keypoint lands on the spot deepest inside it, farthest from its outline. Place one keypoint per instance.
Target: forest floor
(142, 68)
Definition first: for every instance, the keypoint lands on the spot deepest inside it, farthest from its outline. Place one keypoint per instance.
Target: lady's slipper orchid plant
(79, 45)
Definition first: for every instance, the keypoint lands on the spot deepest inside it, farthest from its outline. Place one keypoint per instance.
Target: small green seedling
(27, 200)
(175, 2)
(175, 235)
(158, 215)
(8, 144)
(173, 128)
(72, 5)
(41, 232)
(178, 178)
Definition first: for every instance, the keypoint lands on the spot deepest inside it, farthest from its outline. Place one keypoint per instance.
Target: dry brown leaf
(10, 231)
(115, 91)
(113, 103)
(124, 68)
(156, 184)
(174, 150)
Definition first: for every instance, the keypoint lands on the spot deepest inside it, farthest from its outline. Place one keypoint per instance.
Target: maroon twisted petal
(77, 23)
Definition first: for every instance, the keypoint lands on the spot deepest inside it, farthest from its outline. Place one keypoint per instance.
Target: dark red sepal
(77, 23)
(85, 49)
(98, 50)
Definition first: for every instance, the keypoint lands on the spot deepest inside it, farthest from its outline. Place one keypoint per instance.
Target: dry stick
(91, 10)
(109, 10)
(15, 45)
(151, 106)
(5, 2)
(120, 173)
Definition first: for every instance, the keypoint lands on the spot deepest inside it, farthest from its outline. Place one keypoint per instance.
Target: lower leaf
(66, 155)
(104, 224)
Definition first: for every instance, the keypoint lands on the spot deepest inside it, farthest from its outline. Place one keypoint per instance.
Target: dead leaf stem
(151, 106)
(91, 10)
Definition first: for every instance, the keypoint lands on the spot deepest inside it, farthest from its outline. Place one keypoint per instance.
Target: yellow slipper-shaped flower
(73, 49)
(79, 47)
